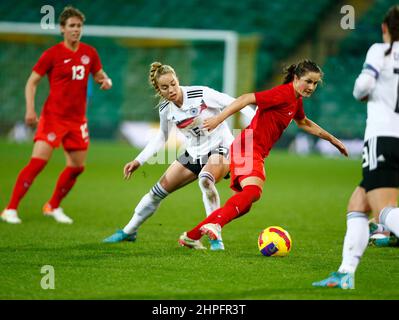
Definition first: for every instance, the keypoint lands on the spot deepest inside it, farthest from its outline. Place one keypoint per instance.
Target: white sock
(145, 208)
(210, 195)
(389, 217)
(355, 242)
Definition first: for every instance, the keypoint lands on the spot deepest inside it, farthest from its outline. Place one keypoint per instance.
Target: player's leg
(75, 140)
(247, 178)
(357, 232)
(385, 200)
(380, 198)
(380, 234)
(236, 206)
(215, 169)
(376, 174)
(355, 242)
(175, 177)
(384, 193)
(75, 164)
(41, 153)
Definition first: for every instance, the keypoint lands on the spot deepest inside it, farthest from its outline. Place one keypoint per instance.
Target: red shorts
(244, 163)
(73, 135)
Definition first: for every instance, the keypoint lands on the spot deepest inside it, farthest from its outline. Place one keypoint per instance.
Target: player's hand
(31, 119)
(211, 123)
(129, 168)
(106, 84)
(340, 146)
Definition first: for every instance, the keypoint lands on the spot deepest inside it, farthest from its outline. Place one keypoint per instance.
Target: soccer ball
(274, 241)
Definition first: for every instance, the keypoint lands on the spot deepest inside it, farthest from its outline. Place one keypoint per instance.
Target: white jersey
(199, 103)
(380, 81)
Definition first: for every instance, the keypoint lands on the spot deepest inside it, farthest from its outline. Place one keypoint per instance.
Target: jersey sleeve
(157, 142)
(96, 64)
(374, 60)
(216, 99)
(44, 64)
(366, 81)
(270, 98)
(300, 112)
(364, 85)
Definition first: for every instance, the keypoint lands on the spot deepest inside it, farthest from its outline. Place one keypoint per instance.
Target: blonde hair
(158, 69)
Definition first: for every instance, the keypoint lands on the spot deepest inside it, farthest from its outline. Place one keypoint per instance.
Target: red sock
(25, 180)
(236, 206)
(65, 183)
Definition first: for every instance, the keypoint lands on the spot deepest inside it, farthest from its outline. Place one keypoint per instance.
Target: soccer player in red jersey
(63, 117)
(277, 107)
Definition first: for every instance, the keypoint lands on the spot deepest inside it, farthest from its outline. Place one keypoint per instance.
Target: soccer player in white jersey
(378, 192)
(206, 156)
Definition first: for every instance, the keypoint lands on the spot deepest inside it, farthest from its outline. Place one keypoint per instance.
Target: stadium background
(305, 195)
(267, 44)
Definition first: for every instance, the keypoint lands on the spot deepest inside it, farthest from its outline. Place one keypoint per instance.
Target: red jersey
(68, 72)
(276, 109)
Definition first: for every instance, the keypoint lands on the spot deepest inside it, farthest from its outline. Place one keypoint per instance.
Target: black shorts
(196, 165)
(380, 163)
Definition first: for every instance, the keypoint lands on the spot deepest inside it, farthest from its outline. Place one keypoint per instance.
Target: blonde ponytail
(158, 69)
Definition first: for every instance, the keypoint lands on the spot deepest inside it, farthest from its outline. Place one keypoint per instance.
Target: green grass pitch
(305, 195)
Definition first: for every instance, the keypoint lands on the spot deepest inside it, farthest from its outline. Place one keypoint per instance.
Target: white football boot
(10, 216)
(185, 241)
(57, 213)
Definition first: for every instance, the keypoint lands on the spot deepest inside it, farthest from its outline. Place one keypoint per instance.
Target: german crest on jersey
(193, 112)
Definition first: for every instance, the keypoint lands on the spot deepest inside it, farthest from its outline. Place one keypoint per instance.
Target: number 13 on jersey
(78, 72)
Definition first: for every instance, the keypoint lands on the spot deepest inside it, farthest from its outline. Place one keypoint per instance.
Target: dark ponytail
(289, 73)
(300, 70)
(391, 20)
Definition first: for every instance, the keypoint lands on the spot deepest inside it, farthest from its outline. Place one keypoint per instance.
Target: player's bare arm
(237, 105)
(312, 128)
(102, 78)
(31, 118)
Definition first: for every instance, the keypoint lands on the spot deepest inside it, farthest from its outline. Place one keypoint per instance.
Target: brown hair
(158, 69)
(70, 12)
(300, 69)
(391, 19)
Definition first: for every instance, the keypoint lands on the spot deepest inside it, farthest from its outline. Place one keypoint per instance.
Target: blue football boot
(216, 245)
(337, 280)
(384, 241)
(120, 236)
